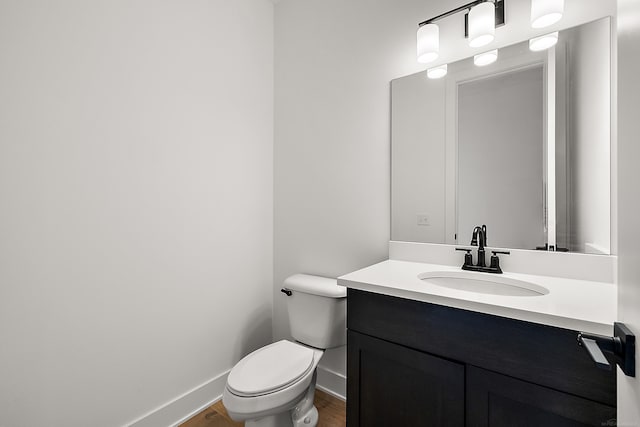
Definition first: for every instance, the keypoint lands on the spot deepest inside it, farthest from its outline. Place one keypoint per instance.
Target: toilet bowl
(272, 380)
(274, 386)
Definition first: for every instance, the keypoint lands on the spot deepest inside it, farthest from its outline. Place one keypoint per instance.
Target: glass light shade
(482, 24)
(546, 12)
(543, 42)
(428, 43)
(437, 72)
(485, 58)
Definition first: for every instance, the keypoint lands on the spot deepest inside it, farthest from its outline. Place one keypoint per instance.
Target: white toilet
(274, 385)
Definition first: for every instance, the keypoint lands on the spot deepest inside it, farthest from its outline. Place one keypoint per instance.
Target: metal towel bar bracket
(622, 347)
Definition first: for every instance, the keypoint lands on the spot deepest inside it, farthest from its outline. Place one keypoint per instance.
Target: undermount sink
(484, 283)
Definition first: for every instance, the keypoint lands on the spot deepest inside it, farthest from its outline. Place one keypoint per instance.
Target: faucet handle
(468, 258)
(501, 252)
(495, 261)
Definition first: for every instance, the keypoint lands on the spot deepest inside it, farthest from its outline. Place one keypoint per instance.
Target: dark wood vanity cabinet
(399, 386)
(501, 401)
(412, 363)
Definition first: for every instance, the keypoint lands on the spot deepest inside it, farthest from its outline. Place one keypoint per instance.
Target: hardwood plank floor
(332, 412)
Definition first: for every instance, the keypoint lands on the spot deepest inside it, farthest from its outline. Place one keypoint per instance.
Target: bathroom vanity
(510, 147)
(423, 354)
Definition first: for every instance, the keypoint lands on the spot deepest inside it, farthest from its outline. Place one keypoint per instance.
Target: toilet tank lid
(315, 285)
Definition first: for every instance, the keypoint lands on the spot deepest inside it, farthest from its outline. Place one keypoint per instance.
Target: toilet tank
(317, 309)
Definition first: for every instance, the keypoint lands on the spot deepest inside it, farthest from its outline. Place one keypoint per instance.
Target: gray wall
(136, 191)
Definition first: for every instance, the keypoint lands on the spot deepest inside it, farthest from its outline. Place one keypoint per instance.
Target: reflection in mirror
(521, 145)
(500, 157)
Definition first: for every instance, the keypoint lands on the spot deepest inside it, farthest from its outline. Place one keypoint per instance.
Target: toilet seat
(270, 369)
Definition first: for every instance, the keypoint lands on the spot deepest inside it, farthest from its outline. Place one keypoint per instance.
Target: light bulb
(437, 72)
(485, 58)
(428, 43)
(482, 24)
(546, 12)
(543, 42)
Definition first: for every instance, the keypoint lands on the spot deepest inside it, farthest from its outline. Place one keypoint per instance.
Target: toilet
(274, 386)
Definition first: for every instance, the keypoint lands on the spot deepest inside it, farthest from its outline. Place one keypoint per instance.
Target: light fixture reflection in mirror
(546, 12)
(437, 72)
(485, 58)
(543, 42)
(482, 24)
(428, 43)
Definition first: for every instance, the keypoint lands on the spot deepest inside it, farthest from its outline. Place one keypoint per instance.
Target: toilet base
(304, 414)
(310, 419)
(284, 419)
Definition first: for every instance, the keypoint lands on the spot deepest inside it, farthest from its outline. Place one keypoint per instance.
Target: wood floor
(332, 413)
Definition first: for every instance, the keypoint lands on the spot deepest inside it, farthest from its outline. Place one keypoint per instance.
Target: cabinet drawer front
(495, 400)
(391, 385)
(540, 354)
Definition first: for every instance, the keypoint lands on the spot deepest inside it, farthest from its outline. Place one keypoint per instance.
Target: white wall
(628, 129)
(136, 193)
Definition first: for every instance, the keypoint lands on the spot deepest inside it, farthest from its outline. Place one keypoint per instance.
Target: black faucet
(482, 233)
(479, 238)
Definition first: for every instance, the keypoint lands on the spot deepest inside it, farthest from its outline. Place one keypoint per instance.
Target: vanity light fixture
(428, 43)
(482, 24)
(546, 12)
(481, 19)
(485, 58)
(543, 42)
(437, 72)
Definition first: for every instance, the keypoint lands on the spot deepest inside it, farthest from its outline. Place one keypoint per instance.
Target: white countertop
(571, 304)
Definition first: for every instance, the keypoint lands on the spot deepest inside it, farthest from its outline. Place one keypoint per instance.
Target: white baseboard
(331, 382)
(185, 406)
(194, 401)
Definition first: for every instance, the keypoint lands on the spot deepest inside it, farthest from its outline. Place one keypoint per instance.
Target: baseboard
(331, 382)
(190, 403)
(196, 400)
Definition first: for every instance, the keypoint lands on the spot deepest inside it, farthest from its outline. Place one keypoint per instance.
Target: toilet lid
(270, 369)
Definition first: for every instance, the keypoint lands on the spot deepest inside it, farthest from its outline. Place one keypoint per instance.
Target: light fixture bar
(451, 12)
(499, 13)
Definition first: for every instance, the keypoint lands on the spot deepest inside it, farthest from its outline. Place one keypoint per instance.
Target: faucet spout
(479, 237)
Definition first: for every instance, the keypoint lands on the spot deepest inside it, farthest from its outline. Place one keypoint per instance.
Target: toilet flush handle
(286, 291)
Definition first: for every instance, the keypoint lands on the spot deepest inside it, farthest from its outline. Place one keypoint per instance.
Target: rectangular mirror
(521, 145)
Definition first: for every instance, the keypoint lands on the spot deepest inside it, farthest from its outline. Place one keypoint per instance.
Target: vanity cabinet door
(495, 400)
(392, 385)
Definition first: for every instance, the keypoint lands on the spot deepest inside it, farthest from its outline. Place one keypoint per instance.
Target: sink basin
(483, 283)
